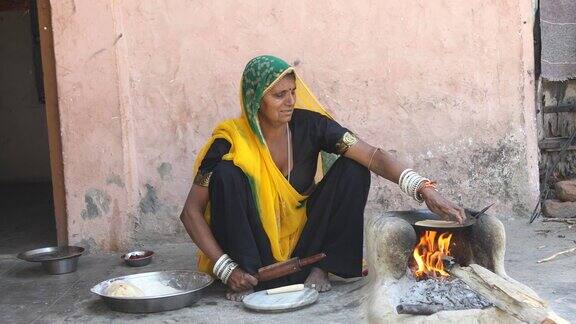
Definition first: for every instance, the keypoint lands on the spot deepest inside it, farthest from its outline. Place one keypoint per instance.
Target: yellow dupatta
(281, 208)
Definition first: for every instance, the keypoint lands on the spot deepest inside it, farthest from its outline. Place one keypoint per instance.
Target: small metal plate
(51, 253)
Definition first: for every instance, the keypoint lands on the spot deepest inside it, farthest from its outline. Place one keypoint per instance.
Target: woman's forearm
(378, 161)
(193, 219)
(386, 166)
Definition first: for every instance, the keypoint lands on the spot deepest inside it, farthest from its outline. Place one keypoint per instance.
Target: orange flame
(429, 254)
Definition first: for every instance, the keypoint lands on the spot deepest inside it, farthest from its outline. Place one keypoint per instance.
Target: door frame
(53, 119)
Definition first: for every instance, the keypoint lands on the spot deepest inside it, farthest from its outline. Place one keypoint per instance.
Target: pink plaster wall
(447, 85)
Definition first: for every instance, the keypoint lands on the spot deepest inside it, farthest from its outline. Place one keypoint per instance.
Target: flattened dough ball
(123, 289)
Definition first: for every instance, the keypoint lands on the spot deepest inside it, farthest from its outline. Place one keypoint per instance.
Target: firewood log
(507, 294)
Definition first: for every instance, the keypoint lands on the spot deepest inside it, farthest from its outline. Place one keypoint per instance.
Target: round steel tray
(163, 291)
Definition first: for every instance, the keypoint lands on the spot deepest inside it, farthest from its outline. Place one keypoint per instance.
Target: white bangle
(411, 178)
(228, 272)
(223, 268)
(416, 196)
(402, 175)
(404, 182)
(410, 182)
(218, 265)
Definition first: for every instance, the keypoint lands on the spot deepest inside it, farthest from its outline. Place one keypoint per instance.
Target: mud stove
(422, 273)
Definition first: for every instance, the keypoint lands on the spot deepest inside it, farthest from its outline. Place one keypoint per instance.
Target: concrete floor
(31, 296)
(554, 281)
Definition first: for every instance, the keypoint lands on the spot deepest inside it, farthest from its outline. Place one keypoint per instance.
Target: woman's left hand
(442, 206)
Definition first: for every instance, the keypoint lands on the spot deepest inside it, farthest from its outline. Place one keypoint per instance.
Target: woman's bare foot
(237, 296)
(318, 279)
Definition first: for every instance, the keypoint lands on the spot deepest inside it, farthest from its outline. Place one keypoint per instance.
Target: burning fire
(428, 255)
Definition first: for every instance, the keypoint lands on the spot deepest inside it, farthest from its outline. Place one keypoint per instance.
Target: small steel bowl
(138, 258)
(55, 260)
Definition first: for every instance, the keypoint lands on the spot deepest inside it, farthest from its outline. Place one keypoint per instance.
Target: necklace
(289, 144)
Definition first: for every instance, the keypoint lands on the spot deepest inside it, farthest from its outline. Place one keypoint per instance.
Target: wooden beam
(53, 119)
(507, 294)
(559, 109)
(555, 143)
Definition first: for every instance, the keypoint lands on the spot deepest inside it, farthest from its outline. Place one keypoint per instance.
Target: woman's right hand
(240, 280)
(442, 206)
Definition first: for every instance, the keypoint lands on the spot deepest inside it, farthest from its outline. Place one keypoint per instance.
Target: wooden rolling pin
(285, 289)
(281, 269)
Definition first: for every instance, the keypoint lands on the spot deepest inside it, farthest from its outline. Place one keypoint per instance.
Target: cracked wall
(445, 86)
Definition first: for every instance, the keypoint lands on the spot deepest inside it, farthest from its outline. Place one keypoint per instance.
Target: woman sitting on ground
(255, 201)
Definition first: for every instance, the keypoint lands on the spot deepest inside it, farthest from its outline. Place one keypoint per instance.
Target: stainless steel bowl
(138, 258)
(161, 291)
(55, 260)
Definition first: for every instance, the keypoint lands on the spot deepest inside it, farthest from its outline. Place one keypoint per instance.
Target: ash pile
(433, 295)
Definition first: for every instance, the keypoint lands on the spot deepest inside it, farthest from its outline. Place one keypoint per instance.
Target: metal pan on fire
(424, 219)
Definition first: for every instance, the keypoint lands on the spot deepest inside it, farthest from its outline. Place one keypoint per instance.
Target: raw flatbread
(437, 223)
(123, 289)
(262, 302)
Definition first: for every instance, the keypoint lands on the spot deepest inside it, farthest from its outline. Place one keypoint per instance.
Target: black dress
(335, 208)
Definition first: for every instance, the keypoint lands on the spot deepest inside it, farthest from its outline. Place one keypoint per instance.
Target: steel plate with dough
(151, 292)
